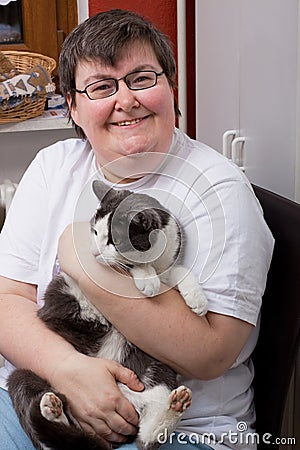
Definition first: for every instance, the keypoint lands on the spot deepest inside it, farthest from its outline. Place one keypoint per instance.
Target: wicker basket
(23, 61)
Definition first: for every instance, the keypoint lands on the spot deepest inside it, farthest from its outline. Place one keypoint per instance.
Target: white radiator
(7, 190)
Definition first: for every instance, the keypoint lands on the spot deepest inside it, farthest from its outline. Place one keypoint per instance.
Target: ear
(101, 189)
(69, 100)
(72, 108)
(148, 219)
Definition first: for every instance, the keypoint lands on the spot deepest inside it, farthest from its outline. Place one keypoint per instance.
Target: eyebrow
(100, 76)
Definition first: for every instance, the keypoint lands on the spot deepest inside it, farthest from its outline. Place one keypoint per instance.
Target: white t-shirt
(228, 247)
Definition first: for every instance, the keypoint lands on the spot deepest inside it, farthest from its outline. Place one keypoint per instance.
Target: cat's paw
(180, 399)
(196, 300)
(148, 286)
(189, 288)
(52, 408)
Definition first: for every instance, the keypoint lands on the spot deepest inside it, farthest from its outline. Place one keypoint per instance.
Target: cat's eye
(95, 232)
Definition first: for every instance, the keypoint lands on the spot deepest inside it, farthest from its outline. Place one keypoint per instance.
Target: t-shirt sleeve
(229, 248)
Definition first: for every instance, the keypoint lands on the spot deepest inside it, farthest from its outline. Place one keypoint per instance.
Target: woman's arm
(163, 326)
(88, 383)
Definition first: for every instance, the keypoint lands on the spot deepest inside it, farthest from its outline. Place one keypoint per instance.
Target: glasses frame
(116, 80)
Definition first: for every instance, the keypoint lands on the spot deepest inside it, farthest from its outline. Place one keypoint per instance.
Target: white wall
(17, 149)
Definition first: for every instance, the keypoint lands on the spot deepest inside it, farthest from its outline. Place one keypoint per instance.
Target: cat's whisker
(120, 266)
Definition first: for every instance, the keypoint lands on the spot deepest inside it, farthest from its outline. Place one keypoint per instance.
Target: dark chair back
(278, 343)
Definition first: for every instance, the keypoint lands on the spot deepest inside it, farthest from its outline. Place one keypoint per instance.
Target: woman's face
(129, 123)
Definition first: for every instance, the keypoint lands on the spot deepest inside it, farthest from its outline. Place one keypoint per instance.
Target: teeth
(128, 122)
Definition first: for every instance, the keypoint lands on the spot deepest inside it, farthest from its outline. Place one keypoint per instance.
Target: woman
(117, 72)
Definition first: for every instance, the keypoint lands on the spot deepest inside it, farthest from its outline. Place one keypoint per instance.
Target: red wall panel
(161, 13)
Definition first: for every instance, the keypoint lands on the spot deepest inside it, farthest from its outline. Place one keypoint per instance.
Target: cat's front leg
(146, 279)
(188, 286)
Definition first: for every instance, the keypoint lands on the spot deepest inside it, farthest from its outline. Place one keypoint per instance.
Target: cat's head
(124, 228)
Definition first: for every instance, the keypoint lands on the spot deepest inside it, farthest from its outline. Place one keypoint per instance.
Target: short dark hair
(102, 37)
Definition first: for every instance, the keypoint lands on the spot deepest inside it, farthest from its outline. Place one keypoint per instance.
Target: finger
(113, 429)
(127, 376)
(113, 423)
(118, 424)
(111, 436)
(104, 432)
(127, 411)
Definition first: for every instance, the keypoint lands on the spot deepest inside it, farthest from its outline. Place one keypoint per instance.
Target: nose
(125, 98)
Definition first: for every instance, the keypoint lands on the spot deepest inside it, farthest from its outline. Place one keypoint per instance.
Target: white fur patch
(113, 346)
(104, 253)
(157, 396)
(88, 310)
(99, 241)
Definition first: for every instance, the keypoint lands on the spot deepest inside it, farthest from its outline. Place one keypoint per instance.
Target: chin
(140, 164)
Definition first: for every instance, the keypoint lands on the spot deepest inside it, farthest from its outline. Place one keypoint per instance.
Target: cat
(135, 233)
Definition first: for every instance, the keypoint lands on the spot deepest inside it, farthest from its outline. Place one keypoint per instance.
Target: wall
(162, 13)
(17, 149)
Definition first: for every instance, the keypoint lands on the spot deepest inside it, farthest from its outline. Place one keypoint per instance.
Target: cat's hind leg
(160, 410)
(51, 408)
(40, 410)
(157, 424)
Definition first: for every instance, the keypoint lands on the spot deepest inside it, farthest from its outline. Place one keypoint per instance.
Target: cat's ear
(101, 189)
(148, 219)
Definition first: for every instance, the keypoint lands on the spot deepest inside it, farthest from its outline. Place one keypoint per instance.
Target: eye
(140, 80)
(103, 85)
(95, 232)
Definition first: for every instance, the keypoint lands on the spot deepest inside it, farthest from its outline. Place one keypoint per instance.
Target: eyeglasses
(135, 81)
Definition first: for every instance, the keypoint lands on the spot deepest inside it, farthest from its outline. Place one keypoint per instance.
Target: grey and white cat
(136, 233)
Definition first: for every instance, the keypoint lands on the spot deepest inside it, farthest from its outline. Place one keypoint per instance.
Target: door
(217, 69)
(268, 92)
(246, 78)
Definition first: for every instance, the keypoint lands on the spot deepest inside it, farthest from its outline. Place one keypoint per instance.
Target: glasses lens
(141, 80)
(101, 89)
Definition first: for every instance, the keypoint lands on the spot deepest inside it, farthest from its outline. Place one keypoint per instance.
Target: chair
(279, 339)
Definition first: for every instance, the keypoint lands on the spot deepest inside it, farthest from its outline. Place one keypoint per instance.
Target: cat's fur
(133, 232)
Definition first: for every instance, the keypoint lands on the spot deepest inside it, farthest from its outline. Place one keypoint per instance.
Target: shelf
(47, 121)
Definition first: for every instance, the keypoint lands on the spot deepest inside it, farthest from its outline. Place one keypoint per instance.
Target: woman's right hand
(90, 385)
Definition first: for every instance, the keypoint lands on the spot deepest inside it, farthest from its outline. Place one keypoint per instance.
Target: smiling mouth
(126, 123)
